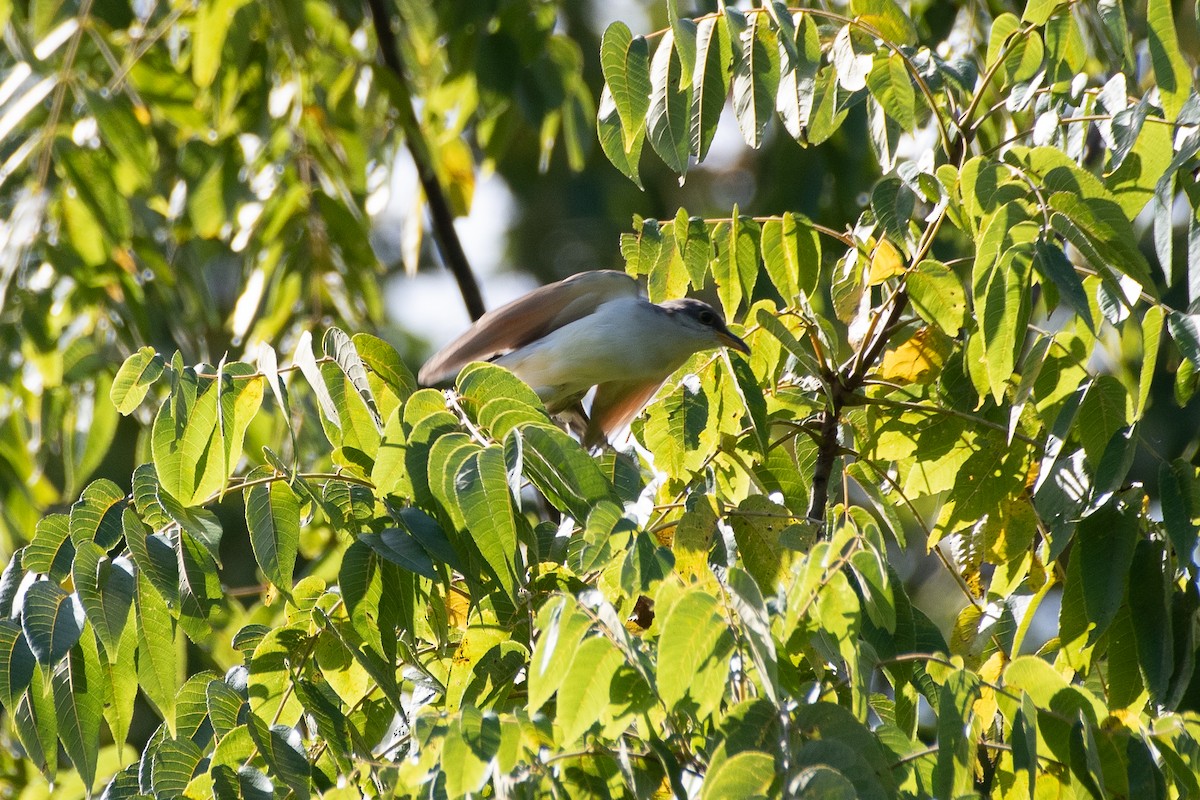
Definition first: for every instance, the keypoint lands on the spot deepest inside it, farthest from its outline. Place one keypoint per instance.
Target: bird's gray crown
(698, 310)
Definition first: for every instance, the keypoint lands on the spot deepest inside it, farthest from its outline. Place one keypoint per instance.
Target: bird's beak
(729, 340)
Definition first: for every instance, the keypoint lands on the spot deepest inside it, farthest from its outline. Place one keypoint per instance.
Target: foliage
(458, 597)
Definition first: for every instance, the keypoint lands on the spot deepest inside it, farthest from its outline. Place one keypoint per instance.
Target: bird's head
(704, 324)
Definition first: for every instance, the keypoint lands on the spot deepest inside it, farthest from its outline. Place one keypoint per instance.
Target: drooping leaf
(667, 120)
(755, 74)
(52, 620)
(481, 490)
(78, 706)
(105, 587)
(625, 62)
(694, 647)
(1171, 73)
(710, 84)
(273, 519)
(16, 663)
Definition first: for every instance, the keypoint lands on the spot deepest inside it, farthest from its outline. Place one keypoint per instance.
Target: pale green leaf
(1172, 74)
(273, 520)
(135, 377)
(693, 655)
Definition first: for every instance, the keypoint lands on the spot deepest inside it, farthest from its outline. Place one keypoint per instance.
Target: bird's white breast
(626, 339)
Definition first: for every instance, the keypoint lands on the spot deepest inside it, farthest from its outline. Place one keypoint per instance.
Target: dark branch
(842, 388)
(441, 219)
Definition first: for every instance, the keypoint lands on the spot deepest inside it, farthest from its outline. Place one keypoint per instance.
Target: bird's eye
(707, 318)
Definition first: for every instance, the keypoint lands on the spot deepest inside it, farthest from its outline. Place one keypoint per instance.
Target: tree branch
(440, 217)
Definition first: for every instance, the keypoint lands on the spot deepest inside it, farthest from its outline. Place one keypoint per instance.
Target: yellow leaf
(919, 359)
(456, 168)
(458, 604)
(886, 262)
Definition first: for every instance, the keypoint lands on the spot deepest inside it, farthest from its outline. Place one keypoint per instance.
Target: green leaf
(338, 345)
(51, 550)
(625, 62)
(694, 649)
(16, 663)
(225, 707)
(426, 531)
(1038, 11)
(1172, 75)
(273, 519)
(562, 470)
(37, 725)
(383, 360)
(667, 120)
(481, 490)
(1150, 606)
(887, 17)
(797, 76)
(157, 659)
(1180, 504)
(481, 384)
(199, 586)
(755, 73)
(937, 295)
(747, 601)
(584, 694)
(561, 626)
(683, 31)
(608, 130)
(96, 515)
(893, 203)
(213, 21)
(1104, 411)
(1152, 327)
(693, 246)
(193, 455)
(954, 774)
(78, 707)
(281, 748)
(304, 359)
(1106, 541)
(52, 620)
(1001, 300)
(121, 686)
(735, 267)
(747, 774)
(791, 253)
(153, 555)
(191, 709)
(674, 429)
(890, 83)
(134, 379)
(472, 740)
(105, 587)
(400, 547)
(172, 766)
(1050, 261)
(710, 84)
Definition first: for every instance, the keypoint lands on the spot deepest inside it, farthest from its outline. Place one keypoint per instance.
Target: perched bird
(592, 329)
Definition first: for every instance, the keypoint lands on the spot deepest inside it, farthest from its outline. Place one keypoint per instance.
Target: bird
(592, 329)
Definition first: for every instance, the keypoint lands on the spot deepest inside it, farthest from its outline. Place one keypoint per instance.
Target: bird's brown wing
(616, 404)
(526, 319)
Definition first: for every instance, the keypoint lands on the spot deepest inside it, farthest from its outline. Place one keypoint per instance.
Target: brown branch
(440, 217)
